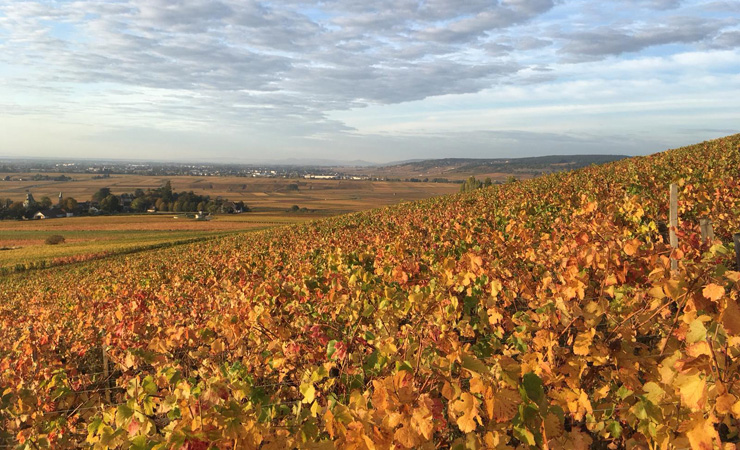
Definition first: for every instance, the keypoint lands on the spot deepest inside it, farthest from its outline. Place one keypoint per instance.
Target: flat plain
(22, 243)
(329, 197)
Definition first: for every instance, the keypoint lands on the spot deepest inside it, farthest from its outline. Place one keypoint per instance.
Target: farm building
(231, 208)
(53, 213)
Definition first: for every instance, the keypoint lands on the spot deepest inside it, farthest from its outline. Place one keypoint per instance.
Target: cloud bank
(348, 78)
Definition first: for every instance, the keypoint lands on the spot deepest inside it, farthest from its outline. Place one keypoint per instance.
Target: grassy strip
(61, 261)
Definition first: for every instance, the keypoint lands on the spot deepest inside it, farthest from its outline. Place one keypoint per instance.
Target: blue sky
(244, 80)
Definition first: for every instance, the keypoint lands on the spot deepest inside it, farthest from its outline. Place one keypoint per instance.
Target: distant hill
(457, 168)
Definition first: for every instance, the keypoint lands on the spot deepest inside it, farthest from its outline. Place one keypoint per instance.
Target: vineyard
(542, 313)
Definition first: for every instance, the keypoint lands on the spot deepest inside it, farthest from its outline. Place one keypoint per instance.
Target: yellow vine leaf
(657, 292)
(653, 392)
(692, 389)
(308, 392)
(701, 432)
(725, 402)
(713, 292)
(467, 407)
(505, 404)
(732, 276)
(699, 349)
(582, 345)
(631, 247)
(407, 436)
(496, 287)
(422, 420)
(697, 332)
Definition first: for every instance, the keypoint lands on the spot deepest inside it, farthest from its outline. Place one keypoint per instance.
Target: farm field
(328, 197)
(537, 314)
(22, 243)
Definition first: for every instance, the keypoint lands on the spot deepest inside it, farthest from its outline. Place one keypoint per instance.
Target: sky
(380, 80)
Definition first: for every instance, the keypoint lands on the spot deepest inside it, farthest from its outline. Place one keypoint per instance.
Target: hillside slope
(460, 168)
(541, 313)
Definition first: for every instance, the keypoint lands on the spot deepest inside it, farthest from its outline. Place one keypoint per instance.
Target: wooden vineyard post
(673, 219)
(707, 232)
(736, 238)
(106, 372)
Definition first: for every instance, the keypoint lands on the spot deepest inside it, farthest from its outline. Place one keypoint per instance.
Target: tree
(139, 204)
(470, 184)
(16, 210)
(166, 191)
(101, 194)
(110, 204)
(45, 203)
(161, 205)
(69, 204)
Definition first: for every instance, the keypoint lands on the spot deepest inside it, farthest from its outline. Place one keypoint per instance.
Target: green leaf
(405, 365)
(524, 435)
(623, 392)
(614, 429)
(474, 364)
(371, 361)
(319, 374)
(123, 412)
(94, 427)
(558, 411)
(534, 388)
(331, 348)
(139, 443)
(150, 387)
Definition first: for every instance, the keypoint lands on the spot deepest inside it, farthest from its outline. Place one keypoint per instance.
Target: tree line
(162, 199)
(165, 199)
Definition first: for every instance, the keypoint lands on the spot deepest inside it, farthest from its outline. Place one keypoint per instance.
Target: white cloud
(251, 74)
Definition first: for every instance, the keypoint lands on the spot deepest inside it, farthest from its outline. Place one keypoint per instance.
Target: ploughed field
(541, 313)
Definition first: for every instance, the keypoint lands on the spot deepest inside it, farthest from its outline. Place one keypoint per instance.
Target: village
(161, 200)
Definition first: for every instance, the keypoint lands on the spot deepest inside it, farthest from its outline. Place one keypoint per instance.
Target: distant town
(107, 168)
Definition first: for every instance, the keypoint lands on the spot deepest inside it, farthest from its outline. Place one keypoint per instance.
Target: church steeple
(60, 199)
(29, 202)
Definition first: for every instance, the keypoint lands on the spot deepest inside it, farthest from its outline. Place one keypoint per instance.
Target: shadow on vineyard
(543, 313)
